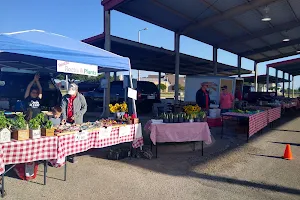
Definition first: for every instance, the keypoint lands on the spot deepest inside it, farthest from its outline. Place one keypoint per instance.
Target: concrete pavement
(231, 169)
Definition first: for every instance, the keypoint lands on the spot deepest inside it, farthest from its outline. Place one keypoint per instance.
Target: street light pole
(139, 40)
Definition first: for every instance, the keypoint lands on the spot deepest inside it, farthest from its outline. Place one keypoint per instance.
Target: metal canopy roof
(291, 67)
(150, 58)
(262, 79)
(232, 25)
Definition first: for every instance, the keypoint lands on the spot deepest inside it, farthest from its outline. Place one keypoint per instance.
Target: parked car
(147, 95)
(15, 86)
(87, 86)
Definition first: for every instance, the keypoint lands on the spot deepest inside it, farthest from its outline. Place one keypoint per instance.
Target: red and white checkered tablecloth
(256, 121)
(274, 114)
(16, 152)
(68, 146)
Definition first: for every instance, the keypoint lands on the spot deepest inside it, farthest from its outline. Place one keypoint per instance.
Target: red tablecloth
(69, 145)
(256, 121)
(274, 114)
(15, 152)
(179, 132)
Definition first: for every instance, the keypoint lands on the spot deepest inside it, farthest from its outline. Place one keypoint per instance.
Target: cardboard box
(48, 132)
(35, 134)
(5, 135)
(20, 134)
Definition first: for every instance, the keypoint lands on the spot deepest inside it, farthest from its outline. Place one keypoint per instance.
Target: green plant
(4, 122)
(41, 118)
(34, 124)
(19, 123)
(162, 86)
(48, 124)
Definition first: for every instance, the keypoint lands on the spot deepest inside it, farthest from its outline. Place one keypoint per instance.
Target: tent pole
(177, 63)
(255, 76)
(131, 86)
(115, 76)
(107, 46)
(276, 83)
(268, 78)
(67, 82)
(215, 60)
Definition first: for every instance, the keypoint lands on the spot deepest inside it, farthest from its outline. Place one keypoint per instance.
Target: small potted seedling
(165, 118)
(181, 118)
(47, 129)
(20, 128)
(171, 118)
(5, 125)
(35, 128)
(175, 120)
(191, 119)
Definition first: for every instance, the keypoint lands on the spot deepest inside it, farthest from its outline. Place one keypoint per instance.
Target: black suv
(15, 86)
(147, 95)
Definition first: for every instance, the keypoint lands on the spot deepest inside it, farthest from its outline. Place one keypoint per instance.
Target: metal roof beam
(271, 47)
(227, 14)
(277, 57)
(261, 33)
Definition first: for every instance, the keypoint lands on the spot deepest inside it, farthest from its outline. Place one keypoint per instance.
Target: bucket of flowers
(118, 109)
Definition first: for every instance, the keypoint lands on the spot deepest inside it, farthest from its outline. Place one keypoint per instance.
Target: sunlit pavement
(229, 169)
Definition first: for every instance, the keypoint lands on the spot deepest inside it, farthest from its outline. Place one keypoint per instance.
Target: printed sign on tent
(104, 133)
(132, 93)
(77, 68)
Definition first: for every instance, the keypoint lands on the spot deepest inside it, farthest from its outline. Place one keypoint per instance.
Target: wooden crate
(48, 132)
(20, 134)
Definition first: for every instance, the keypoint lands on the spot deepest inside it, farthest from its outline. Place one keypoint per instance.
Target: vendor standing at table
(202, 96)
(73, 106)
(33, 96)
(226, 99)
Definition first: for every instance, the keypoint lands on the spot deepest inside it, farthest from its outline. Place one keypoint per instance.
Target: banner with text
(77, 68)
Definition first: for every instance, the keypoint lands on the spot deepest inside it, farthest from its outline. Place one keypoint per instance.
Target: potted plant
(118, 109)
(35, 128)
(165, 118)
(191, 119)
(171, 118)
(20, 128)
(181, 118)
(47, 129)
(175, 119)
(5, 125)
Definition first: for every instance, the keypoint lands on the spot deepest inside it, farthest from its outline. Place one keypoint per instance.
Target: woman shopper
(226, 99)
(73, 108)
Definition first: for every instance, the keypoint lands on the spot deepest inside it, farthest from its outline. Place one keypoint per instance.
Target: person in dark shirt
(202, 96)
(33, 96)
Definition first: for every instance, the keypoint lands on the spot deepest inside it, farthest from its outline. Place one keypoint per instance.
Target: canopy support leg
(239, 66)
(276, 84)
(177, 64)
(255, 76)
(215, 60)
(268, 78)
(107, 47)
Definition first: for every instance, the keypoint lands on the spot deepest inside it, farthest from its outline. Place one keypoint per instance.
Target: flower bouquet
(118, 109)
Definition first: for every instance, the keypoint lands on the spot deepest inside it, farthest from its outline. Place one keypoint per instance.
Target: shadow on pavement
(267, 156)
(285, 143)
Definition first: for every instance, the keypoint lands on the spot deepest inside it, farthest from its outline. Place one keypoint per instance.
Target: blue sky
(79, 20)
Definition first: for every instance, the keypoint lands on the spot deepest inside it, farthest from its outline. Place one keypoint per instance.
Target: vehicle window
(147, 87)
(117, 88)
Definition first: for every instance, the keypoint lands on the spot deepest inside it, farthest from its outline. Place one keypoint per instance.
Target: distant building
(168, 80)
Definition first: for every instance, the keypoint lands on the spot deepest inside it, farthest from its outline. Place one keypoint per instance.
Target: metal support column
(115, 76)
(283, 83)
(239, 66)
(289, 88)
(276, 83)
(215, 60)
(293, 89)
(255, 76)
(268, 78)
(107, 47)
(177, 64)
(159, 82)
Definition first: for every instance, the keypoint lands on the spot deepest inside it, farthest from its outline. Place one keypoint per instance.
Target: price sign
(138, 130)
(124, 131)
(104, 133)
(79, 136)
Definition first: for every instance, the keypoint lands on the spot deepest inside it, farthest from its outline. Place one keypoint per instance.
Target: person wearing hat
(202, 96)
(226, 99)
(73, 106)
